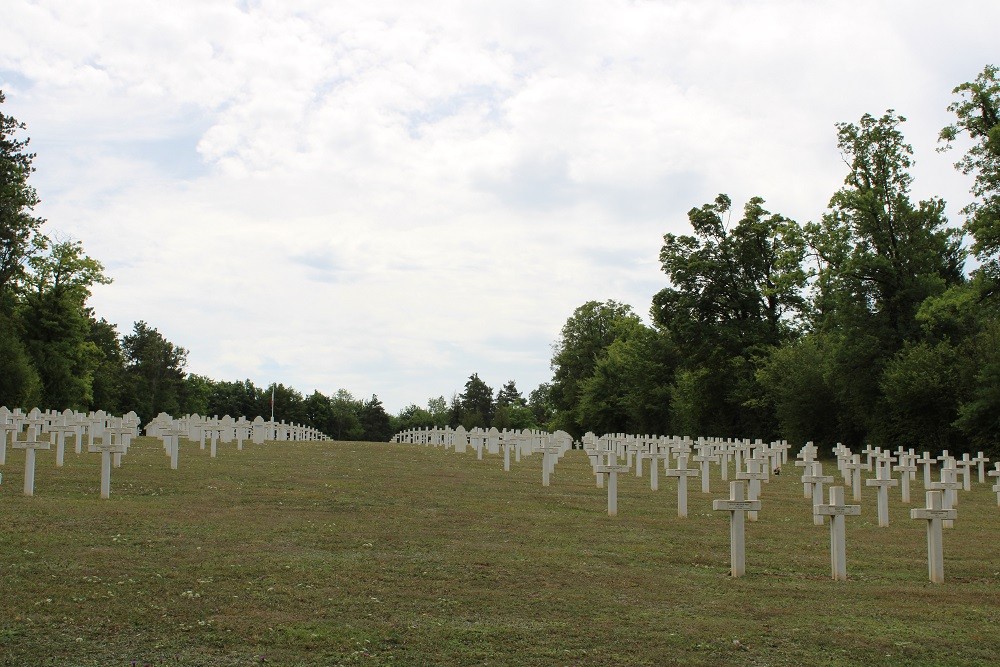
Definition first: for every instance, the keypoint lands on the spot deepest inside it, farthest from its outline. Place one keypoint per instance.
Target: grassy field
(378, 554)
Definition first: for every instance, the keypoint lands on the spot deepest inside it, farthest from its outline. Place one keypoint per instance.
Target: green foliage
(583, 342)
(919, 387)
(155, 372)
(796, 383)
(19, 381)
(20, 237)
(977, 113)
(476, 404)
(879, 255)
(109, 381)
(540, 403)
(375, 421)
(629, 390)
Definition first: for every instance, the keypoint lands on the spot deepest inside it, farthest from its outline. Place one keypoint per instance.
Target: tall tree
(155, 369)
(735, 294)
(583, 341)
(476, 403)
(57, 325)
(879, 256)
(375, 421)
(977, 113)
(20, 236)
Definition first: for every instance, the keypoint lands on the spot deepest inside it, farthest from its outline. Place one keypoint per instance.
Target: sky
(387, 197)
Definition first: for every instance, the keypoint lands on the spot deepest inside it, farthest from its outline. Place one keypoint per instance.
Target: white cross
(995, 473)
(29, 446)
(736, 506)
(754, 474)
(949, 486)
(816, 479)
(852, 473)
(682, 473)
(612, 472)
(934, 514)
(883, 482)
(106, 449)
(837, 510)
(981, 462)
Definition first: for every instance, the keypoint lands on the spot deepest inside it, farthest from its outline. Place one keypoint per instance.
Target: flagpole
(272, 402)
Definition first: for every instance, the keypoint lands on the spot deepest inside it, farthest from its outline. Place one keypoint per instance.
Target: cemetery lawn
(376, 554)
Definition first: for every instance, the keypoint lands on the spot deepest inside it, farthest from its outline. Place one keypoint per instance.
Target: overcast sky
(387, 197)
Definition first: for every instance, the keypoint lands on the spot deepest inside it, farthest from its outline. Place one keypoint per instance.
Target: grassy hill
(376, 554)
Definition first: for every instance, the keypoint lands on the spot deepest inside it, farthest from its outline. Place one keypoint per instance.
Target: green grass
(379, 554)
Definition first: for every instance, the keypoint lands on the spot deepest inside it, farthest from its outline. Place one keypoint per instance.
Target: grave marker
(29, 446)
(736, 506)
(816, 479)
(837, 510)
(934, 514)
(107, 447)
(681, 472)
(883, 482)
(612, 471)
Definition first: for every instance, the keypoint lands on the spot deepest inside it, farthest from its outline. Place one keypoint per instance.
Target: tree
(57, 325)
(509, 395)
(583, 341)
(735, 294)
(375, 421)
(476, 403)
(346, 423)
(540, 403)
(413, 416)
(438, 408)
(155, 371)
(879, 257)
(629, 390)
(19, 381)
(977, 113)
(20, 237)
(109, 383)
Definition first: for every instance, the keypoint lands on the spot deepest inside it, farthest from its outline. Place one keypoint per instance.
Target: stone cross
(681, 472)
(883, 482)
(62, 428)
(7, 430)
(736, 506)
(995, 473)
(934, 514)
(754, 474)
(805, 461)
(816, 479)
(981, 462)
(612, 471)
(29, 446)
(549, 451)
(927, 461)
(837, 510)
(908, 468)
(597, 457)
(852, 471)
(508, 442)
(966, 464)
(704, 458)
(106, 447)
(950, 486)
(655, 456)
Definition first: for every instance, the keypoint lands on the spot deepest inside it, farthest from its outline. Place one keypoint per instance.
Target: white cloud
(390, 196)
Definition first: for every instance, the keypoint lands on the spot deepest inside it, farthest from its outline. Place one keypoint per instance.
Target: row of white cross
(754, 463)
(109, 435)
(112, 436)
